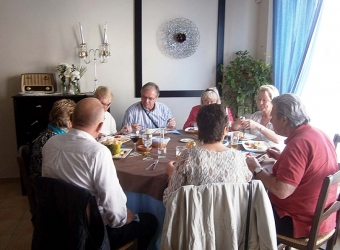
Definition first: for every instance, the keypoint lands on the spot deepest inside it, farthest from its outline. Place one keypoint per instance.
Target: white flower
(68, 72)
(75, 75)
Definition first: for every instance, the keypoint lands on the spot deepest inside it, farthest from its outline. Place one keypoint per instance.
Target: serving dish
(122, 154)
(255, 146)
(121, 138)
(191, 130)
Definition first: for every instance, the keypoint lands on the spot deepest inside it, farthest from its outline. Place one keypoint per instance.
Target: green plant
(242, 78)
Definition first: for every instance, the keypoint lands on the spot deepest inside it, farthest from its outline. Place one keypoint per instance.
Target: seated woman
(212, 162)
(209, 96)
(259, 122)
(105, 96)
(59, 123)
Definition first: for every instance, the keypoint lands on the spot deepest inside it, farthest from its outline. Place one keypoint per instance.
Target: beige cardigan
(213, 216)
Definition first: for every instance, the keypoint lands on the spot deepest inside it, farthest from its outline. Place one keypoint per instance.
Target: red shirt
(308, 157)
(193, 113)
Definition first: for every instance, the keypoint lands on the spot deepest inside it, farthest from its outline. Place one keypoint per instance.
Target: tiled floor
(15, 225)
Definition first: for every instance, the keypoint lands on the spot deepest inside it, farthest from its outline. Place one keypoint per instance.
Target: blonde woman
(59, 123)
(209, 96)
(259, 122)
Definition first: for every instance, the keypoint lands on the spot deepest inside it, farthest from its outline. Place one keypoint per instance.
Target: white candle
(81, 33)
(105, 33)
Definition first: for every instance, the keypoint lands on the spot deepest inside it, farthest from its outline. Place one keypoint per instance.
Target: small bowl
(156, 139)
(142, 148)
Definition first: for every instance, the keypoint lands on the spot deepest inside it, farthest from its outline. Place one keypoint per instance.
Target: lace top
(198, 166)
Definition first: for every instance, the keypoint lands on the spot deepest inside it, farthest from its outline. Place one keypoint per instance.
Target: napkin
(174, 132)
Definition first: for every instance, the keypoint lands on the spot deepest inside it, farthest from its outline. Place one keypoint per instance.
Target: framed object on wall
(139, 49)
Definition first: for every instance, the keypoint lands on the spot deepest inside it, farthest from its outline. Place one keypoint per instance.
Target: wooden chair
(321, 213)
(23, 159)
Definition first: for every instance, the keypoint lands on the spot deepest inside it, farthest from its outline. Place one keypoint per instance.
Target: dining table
(144, 188)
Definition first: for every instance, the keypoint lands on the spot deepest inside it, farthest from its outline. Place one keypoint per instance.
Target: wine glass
(147, 141)
(134, 137)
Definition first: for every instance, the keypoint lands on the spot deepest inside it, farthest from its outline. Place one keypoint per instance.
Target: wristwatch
(257, 170)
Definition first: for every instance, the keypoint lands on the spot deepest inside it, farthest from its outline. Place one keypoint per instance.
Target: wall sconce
(102, 53)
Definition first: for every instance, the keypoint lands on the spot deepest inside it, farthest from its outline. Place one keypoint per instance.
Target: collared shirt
(76, 157)
(137, 114)
(308, 158)
(109, 125)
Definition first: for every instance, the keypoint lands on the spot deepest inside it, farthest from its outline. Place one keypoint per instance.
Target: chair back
(336, 140)
(23, 160)
(213, 216)
(67, 217)
(314, 241)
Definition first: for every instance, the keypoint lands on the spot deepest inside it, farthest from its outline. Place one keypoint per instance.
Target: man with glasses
(148, 113)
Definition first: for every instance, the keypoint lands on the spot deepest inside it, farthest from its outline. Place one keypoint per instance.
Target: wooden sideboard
(32, 112)
(31, 115)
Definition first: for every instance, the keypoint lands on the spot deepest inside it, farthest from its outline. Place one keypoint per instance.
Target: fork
(152, 166)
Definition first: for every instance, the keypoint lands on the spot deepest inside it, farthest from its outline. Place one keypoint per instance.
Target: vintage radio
(38, 83)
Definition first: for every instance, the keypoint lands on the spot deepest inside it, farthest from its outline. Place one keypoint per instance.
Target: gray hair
(150, 85)
(290, 106)
(211, 93)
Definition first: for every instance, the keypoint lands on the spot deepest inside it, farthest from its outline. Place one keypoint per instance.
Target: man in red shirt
(298, 174)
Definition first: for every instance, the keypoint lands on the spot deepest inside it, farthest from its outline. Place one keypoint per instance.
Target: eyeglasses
(106, 105)
(149, 98)
(263, 100)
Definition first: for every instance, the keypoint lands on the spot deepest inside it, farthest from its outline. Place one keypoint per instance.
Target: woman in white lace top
(212, 162)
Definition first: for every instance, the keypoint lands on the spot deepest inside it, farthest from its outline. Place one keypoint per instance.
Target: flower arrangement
(69, 76)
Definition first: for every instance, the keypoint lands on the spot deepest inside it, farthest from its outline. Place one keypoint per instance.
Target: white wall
(37, 35)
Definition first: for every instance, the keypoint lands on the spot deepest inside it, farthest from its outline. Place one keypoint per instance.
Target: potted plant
(242, 78)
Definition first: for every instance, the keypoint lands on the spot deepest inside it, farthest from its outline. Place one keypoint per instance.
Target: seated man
(148, 113)
(300, 170)
(76, 157)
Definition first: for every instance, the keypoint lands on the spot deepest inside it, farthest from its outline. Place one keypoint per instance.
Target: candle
(105, 33)
(81, 33)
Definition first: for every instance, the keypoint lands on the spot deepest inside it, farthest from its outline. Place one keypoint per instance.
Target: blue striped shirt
(137, 114)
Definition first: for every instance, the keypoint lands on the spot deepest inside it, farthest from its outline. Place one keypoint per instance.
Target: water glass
(162, 148)
(179, 150)
(147, 141)
(234, 140)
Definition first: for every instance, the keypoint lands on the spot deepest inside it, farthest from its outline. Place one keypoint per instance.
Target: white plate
(246, 154)
(121, 138)
(186, 140)
(247, 136)
(247, 146)
(123, 153)
(190, 130)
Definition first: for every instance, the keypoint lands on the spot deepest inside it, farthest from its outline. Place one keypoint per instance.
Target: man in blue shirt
(148, 113)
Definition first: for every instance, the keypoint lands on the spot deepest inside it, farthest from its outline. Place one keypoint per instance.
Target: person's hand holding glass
(147, 141)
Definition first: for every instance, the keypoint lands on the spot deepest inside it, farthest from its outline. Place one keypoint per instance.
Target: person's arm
(238, 124)
(280, 189)
(191, 119)
(270, 134)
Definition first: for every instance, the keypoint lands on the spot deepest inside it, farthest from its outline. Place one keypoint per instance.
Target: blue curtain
(294, 24)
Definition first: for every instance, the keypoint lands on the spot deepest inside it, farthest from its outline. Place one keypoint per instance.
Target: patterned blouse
(198, 166)
(36, 155)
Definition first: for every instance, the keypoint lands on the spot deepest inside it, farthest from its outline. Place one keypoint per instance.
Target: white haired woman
(209, 96)
(259, 122)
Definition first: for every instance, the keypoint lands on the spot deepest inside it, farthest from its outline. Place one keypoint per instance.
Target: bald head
(87, 114)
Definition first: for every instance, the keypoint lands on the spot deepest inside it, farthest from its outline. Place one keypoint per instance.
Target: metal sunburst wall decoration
(178, 38)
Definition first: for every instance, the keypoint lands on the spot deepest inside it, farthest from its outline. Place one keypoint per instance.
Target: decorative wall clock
(178, 38)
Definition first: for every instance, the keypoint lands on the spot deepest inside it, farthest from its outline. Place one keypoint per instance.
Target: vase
(76, 88)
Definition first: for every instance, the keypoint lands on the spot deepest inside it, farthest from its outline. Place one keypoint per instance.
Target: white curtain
(321, 93)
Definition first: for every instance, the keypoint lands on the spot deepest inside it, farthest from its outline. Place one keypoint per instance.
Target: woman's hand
(126, 129)
(170, 167)
(274, 153)
(252, 163)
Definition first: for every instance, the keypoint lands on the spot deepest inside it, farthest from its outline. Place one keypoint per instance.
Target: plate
(249, 146)
(123, 153)
(121, 138)
(248, 154)
(247, 136)
(190, 130)
(186, 140)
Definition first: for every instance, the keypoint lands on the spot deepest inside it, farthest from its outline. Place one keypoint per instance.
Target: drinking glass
(234, 140)
(147, 141)
(134, 137)
(179, 150)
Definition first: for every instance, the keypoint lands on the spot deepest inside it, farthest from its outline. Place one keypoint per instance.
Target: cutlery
(152, 166)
